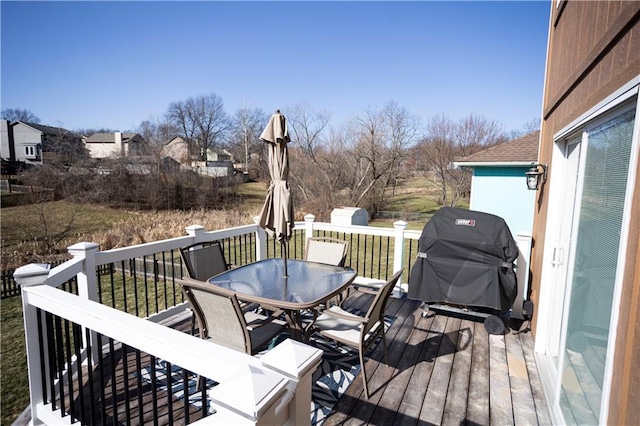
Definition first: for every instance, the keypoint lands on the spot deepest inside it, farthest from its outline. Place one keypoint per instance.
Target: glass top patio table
(308, 284)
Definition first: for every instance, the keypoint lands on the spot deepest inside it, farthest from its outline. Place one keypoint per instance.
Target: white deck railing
(281, 379)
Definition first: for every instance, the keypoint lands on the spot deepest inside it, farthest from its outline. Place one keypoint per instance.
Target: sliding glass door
(594, 265)
(582, 272)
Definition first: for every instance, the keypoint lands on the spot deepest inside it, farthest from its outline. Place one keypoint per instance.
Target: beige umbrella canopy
(276, 216)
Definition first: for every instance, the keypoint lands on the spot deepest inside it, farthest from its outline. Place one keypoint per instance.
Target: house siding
(594, 49)
(25, 136)
(502, 191)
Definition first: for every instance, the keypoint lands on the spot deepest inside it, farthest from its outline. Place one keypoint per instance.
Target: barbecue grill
(466, 265)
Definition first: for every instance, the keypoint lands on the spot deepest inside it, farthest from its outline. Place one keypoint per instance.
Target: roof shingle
(522, 149)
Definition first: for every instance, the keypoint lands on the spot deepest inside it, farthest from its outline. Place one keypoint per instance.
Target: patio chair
(203, 262)
(331, 251)
(355, 331)
(222, 321)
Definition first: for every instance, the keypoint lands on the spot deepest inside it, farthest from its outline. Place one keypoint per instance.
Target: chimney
(120, 149)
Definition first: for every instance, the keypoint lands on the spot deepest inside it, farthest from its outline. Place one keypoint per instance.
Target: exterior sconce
(535, 176)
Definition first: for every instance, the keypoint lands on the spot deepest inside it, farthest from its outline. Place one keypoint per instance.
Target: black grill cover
(465, 258)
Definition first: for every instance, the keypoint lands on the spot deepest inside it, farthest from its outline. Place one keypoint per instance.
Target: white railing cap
(31, 274)
(292, 358)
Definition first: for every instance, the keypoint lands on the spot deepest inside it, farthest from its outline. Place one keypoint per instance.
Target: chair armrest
(343, 316)
(367, 290)
(256, 323)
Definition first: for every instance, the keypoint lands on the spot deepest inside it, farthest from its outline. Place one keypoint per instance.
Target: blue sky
(114, 64)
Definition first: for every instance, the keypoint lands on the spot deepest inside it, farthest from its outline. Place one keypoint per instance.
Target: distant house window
(30, 151)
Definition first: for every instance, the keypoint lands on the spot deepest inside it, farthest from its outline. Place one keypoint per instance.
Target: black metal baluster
(124, 288)
(135, 288)
(154, 390)
(77, 343)
(114, 394)
(41, 353)
(103, 404)
(60, 360)
(139, 389)
(125, 383)
(51, 347)
(203, 397)
(185, 387)
(146, 285)
(358, 255)
(364, 257)
(90, 377)
(99, 278)
(164, 280)
(169, 380)
(409, 258)
(67, 345)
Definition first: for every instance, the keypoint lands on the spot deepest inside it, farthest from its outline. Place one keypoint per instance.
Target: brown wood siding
(594, 49)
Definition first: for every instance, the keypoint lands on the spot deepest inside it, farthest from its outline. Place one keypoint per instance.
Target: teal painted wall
(503, 191)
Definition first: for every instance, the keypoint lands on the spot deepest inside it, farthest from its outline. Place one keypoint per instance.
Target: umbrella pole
(285, 255)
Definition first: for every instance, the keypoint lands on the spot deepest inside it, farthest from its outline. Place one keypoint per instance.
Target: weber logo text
(466, 222)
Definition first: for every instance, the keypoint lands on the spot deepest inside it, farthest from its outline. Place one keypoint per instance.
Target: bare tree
(201, 121)
(156, 132)
(320, 173)
(246, 125)
(447, 141)
(380, 140)
(437, 150)
(17, 114)
(63, 149)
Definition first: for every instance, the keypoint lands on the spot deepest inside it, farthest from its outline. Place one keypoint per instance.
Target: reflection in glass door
(593, 267)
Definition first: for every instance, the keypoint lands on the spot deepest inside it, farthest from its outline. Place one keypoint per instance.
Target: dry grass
(107, 227)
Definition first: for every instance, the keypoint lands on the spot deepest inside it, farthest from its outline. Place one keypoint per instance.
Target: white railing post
(309, 219)
(261, 240)
(523, 241)
(25, 276)
(87, 280)
(297, 362)
(398, 252)
(195, 231)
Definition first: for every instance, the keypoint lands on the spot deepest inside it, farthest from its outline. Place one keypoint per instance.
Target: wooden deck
(441, 370)
(446, 370)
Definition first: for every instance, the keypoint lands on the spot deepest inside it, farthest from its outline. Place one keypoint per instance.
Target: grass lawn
(13, 380)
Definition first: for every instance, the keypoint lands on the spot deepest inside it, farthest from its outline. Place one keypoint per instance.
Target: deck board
(478, 402)
(458, 391)
(522, 398)
(419, 373)
(501, 410)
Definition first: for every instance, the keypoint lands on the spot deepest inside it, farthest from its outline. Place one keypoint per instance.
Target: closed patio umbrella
(276, 216)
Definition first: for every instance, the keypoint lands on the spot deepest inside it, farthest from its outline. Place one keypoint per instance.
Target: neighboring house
(498, 183)
(585, 263)
(26, 142)
(218, 164)
(114, 145)
(177, 149)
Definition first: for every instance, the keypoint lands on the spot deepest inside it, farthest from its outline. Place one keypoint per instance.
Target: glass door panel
(594, 267)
